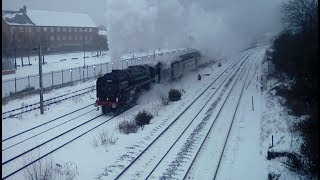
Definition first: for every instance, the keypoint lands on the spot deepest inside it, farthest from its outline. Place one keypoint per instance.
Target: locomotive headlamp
(114, 105)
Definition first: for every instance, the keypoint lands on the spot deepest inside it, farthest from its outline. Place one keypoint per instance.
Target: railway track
(215, 135)
(82, 132)
(32, 133)
(188, 147)
(173, 127)
(27, 108)
(11, 162)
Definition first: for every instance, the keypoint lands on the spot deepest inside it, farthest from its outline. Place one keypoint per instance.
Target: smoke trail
(221, 27)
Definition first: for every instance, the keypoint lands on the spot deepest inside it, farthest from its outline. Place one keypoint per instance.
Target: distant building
(57, 31)
(16, 32)
(103, 39)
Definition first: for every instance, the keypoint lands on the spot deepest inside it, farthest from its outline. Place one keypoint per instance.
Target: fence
(67, 76)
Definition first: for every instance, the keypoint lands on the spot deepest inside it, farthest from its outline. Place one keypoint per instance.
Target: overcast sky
(220, 26)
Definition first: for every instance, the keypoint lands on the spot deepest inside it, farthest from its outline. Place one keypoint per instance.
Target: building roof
(16, 18)
(53, 18)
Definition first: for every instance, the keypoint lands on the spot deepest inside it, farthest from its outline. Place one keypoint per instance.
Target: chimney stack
(25, 8)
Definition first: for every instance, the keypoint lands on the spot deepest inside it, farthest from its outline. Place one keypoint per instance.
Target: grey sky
(220, 26)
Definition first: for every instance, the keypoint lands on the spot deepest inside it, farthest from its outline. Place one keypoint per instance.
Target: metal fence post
(94, 71)
(28, 81)
(79, 73)
(107, 67)
(52, 77)
(71, 75)
(15, 84)
(83, 73)
(87, 71)
(62, 76)
(252, 104)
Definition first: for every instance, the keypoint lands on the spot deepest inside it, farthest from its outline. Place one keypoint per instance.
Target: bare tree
(300, 15)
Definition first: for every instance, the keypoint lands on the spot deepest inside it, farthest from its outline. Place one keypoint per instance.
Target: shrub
(143, 118)
(104, 138)
(46, 169)
(164, 101)
(174, 95)
(127, 127)
(42, 169)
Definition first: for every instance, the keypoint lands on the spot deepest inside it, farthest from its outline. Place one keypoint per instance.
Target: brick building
(58, 31)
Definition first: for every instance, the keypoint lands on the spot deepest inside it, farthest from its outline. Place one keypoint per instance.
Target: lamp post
(40, 78)
(84, 52)
(122, 64)
(14, 49)
(132, 57)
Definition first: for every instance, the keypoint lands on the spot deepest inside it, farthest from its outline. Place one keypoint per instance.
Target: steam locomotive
(119, 89)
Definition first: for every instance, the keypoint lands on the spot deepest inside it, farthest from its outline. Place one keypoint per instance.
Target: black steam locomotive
(120, 89)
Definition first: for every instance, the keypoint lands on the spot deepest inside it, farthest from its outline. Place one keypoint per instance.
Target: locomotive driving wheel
(104, 109)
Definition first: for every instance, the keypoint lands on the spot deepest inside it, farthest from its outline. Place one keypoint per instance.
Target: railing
(52, 79)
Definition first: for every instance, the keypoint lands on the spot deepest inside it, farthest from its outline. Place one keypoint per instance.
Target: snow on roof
(102, 32)
(16, 18)
(53, 18)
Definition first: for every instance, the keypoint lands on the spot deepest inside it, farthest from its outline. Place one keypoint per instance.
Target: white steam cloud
(220, 26)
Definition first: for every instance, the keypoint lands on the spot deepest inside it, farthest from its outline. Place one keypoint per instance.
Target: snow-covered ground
(277, 122)
(54, 63)
(244, 156)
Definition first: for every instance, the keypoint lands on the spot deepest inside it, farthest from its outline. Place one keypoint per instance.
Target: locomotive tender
(120, 89)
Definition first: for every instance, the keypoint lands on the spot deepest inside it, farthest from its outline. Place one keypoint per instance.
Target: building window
(12, 29)
(80, 29)
(70, 29)
(75, 38)
(52, 38)
(85, 37)
(58, 29)
(44, 29)
(84, 29)
(64, 37)
(64, 29)
(58, 37)
(75, 29)
(52, 29)
(90, 30)
(38, 29)
(80, 37)
(70, 38)
(21, 29)
(29, 29)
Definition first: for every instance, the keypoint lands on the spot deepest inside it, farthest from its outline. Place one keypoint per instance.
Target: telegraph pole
(84, 50)
(132, 57)
(14, 49)
(40, 80)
